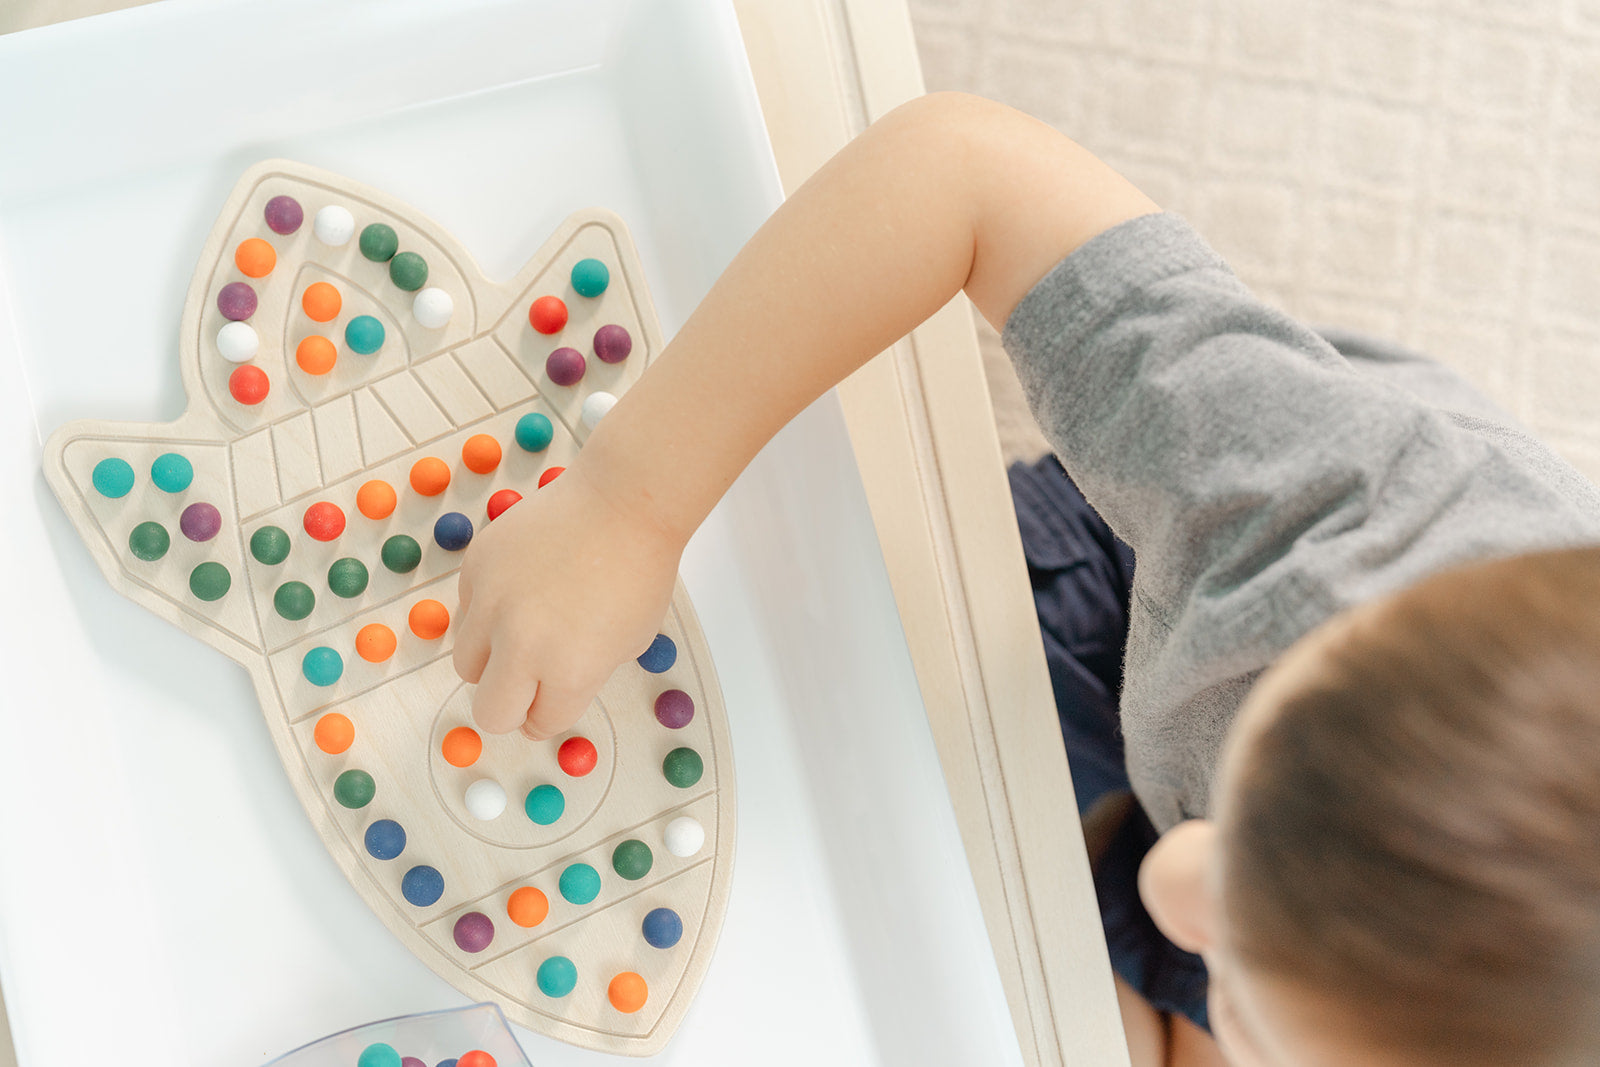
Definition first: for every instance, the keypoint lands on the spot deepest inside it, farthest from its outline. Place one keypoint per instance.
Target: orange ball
(481, 453)
(334, 733)
(316, 354)
(462, 747)
(429, 619)
(527, 906)
(376, 499)
(375, 642)
(430, 476)
(627, 992)
(476, 1058)
(255, 258)
(321, 301)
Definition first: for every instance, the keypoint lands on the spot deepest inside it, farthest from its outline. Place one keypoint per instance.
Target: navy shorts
(1081, 576)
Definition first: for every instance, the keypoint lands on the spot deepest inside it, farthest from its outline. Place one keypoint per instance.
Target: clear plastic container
(429, 1038)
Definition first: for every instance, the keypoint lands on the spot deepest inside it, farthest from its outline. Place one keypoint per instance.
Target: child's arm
(946, 193)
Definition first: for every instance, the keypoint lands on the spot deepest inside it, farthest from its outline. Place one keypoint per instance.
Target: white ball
(237, 342)
(595, 407)
(433, 308)
(334, 225)
(685, 836)
(485, 799)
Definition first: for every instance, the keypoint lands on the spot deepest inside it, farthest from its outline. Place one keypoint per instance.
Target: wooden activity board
(361, 401)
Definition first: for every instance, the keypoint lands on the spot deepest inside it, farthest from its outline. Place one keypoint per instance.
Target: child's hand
(555, 593)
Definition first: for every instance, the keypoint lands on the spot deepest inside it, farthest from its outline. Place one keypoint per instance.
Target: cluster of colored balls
(149, 541)
(383, 1054)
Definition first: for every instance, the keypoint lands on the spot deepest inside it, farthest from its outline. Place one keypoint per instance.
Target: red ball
(324, 521)
(502, 500)
(577, 756)
(248, 384)
(548, 314)
(549, 476)
(476, 1058)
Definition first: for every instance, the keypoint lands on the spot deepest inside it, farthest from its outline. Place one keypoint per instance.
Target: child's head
(1405, 863)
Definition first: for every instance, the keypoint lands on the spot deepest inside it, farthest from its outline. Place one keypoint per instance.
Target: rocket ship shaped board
(361, 401)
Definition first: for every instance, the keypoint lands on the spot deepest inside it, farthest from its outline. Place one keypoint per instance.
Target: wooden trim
(924, 438)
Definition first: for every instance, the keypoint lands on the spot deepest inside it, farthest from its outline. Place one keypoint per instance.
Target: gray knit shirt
(1265, 478)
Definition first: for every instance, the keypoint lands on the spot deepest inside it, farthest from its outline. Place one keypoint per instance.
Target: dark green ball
(269, 545)
(210, 581)
(409, 271)
(294, 600)
(379, 242)
(401, 553)
(149, 541)
(347, 577)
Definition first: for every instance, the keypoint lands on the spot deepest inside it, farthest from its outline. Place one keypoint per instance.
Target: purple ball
(200, 522)
(612, 344)
(565, 366)
(237, 301)
(284, 214)
(674, 709)
(474, 931)
(412, 1061)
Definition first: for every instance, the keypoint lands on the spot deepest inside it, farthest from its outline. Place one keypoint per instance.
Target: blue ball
(663, 928)
(660, 656)
(422, 886)
(386, 839)
(453, 531)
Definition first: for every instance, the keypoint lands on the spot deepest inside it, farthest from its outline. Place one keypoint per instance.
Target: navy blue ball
(660, 656)
(453, 531)
(663, 928)
(386, 839)
(422, 886)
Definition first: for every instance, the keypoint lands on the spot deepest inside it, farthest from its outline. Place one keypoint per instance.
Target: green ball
(364, 334)
(557, 976)
(590, 277)
(210, 581)
(354, 789)
(401, 553)
(408, 271)
(270, 545)
(632, 860)
(534, 432)
(347, 577)
(171, 472)
(683, 767)
(294, 600)
(149, 541)
(379, 242)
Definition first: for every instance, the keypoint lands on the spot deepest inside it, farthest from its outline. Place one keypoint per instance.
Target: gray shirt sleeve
(1263, 482)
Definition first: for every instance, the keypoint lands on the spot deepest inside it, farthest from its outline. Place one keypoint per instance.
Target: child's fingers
(471, 653)
(555, 708)
(506, 687)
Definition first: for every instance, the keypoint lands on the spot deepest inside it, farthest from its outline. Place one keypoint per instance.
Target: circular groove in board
(522, 767)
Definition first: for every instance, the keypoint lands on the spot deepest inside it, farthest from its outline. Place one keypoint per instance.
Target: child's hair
(1415, 834)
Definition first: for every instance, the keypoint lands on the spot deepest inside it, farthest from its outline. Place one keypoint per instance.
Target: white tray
(162, 894)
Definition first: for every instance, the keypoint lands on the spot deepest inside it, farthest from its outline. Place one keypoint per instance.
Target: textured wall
(1423, 169)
